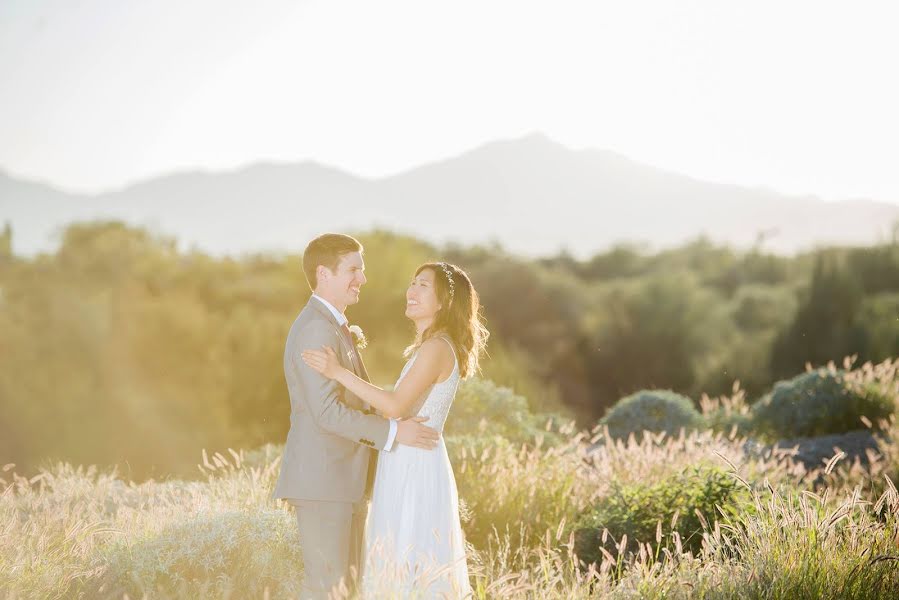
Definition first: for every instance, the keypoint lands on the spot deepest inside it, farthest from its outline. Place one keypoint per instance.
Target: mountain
(531, 194)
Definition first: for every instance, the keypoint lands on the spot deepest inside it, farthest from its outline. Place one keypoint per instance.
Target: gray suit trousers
(331, 543)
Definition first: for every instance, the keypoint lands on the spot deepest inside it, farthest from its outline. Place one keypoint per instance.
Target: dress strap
(446, 339)
(452, 346)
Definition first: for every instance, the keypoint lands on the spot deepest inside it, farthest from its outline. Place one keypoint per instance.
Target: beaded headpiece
(449, 279)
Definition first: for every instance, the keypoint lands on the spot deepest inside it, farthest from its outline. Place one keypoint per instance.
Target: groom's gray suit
(326, 465)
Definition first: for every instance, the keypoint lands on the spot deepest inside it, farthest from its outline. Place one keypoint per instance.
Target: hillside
(531, 194)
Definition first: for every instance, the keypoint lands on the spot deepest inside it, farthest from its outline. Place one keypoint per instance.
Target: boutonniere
(358, 336)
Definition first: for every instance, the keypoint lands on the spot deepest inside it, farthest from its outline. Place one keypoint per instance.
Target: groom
(329, 457)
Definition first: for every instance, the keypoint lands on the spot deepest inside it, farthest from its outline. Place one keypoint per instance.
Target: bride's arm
(432, 356)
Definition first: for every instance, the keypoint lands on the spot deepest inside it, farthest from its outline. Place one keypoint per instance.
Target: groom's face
(341, 286)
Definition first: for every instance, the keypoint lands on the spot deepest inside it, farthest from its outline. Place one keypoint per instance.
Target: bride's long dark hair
(459, 316)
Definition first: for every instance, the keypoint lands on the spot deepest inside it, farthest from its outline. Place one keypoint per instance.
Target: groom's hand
(411, 432)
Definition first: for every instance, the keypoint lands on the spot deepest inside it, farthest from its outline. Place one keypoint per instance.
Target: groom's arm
(322, 395)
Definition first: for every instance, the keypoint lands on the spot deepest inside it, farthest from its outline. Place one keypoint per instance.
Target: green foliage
(819, 402)
(758, 312)
(140, 354)
(767, 269)
(652, 512)
(120, 347)
(622, 260)
(546, 327)
(655, 332)
(879, 318)
(510, 366)
(760, 307)
(825, 326)
(746, 360)
(728, 414)
(877, 267)
(481, 406)
(728, 421)
(652, 410)
(714, 265)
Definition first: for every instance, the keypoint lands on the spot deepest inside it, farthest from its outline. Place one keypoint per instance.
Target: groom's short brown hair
(326, 250)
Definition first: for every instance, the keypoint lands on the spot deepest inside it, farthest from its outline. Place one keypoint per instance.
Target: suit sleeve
(323, 396)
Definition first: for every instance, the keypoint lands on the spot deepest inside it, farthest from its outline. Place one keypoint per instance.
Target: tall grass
(71, 532)
(832, 532)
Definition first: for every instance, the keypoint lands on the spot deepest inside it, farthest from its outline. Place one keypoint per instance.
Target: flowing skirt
(414, 547)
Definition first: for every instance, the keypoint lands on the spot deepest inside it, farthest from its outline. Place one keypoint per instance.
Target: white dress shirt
(341, 321)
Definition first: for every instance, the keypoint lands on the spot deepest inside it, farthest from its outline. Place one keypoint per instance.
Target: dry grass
(74, 532)
(829, 533)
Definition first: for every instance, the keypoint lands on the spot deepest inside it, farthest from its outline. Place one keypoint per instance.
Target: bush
(636, 510)
(483, 407)
(729, 421)
(727, 414)
(652, 410)
(820, 402)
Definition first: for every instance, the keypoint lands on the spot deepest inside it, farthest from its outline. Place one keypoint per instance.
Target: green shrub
(652, 410)
(727, 414)
(726, 421)
(482, 407)
(636, 510)
(820, 402)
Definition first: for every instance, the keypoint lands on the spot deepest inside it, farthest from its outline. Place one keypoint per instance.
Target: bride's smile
(421, 299)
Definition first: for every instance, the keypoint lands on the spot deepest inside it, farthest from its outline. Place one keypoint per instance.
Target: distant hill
(531, 194)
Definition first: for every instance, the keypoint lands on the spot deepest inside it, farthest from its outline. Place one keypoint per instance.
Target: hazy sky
(793, 95)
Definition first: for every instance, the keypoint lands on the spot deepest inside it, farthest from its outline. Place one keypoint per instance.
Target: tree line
(121, 348)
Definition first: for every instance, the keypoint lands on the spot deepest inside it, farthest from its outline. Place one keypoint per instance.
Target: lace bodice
(438, 398)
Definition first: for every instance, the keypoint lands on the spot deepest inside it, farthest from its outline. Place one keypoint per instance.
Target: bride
(413, 538)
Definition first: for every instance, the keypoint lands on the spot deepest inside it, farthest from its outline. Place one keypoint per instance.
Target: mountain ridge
(532, 194)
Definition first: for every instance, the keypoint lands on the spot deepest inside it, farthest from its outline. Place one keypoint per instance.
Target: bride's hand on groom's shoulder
(324, 361)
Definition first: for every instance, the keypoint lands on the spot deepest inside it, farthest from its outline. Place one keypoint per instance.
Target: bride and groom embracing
(351, 442)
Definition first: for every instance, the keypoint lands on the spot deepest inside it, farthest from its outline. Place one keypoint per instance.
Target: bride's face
(421, 297)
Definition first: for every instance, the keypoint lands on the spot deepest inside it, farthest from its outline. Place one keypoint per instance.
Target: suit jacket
(333, 432)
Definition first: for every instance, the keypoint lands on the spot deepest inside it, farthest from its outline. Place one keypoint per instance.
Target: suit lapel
(363, 371)
(349, 347)
(358, 365)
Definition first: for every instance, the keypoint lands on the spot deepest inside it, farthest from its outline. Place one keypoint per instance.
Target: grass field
(563, 514)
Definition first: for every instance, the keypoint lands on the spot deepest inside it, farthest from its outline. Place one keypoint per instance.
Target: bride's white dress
(414, 546)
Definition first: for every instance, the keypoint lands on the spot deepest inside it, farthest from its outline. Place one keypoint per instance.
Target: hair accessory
(449, 279)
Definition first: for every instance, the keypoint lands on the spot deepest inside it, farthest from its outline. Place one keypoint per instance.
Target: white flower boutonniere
(358, 336)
